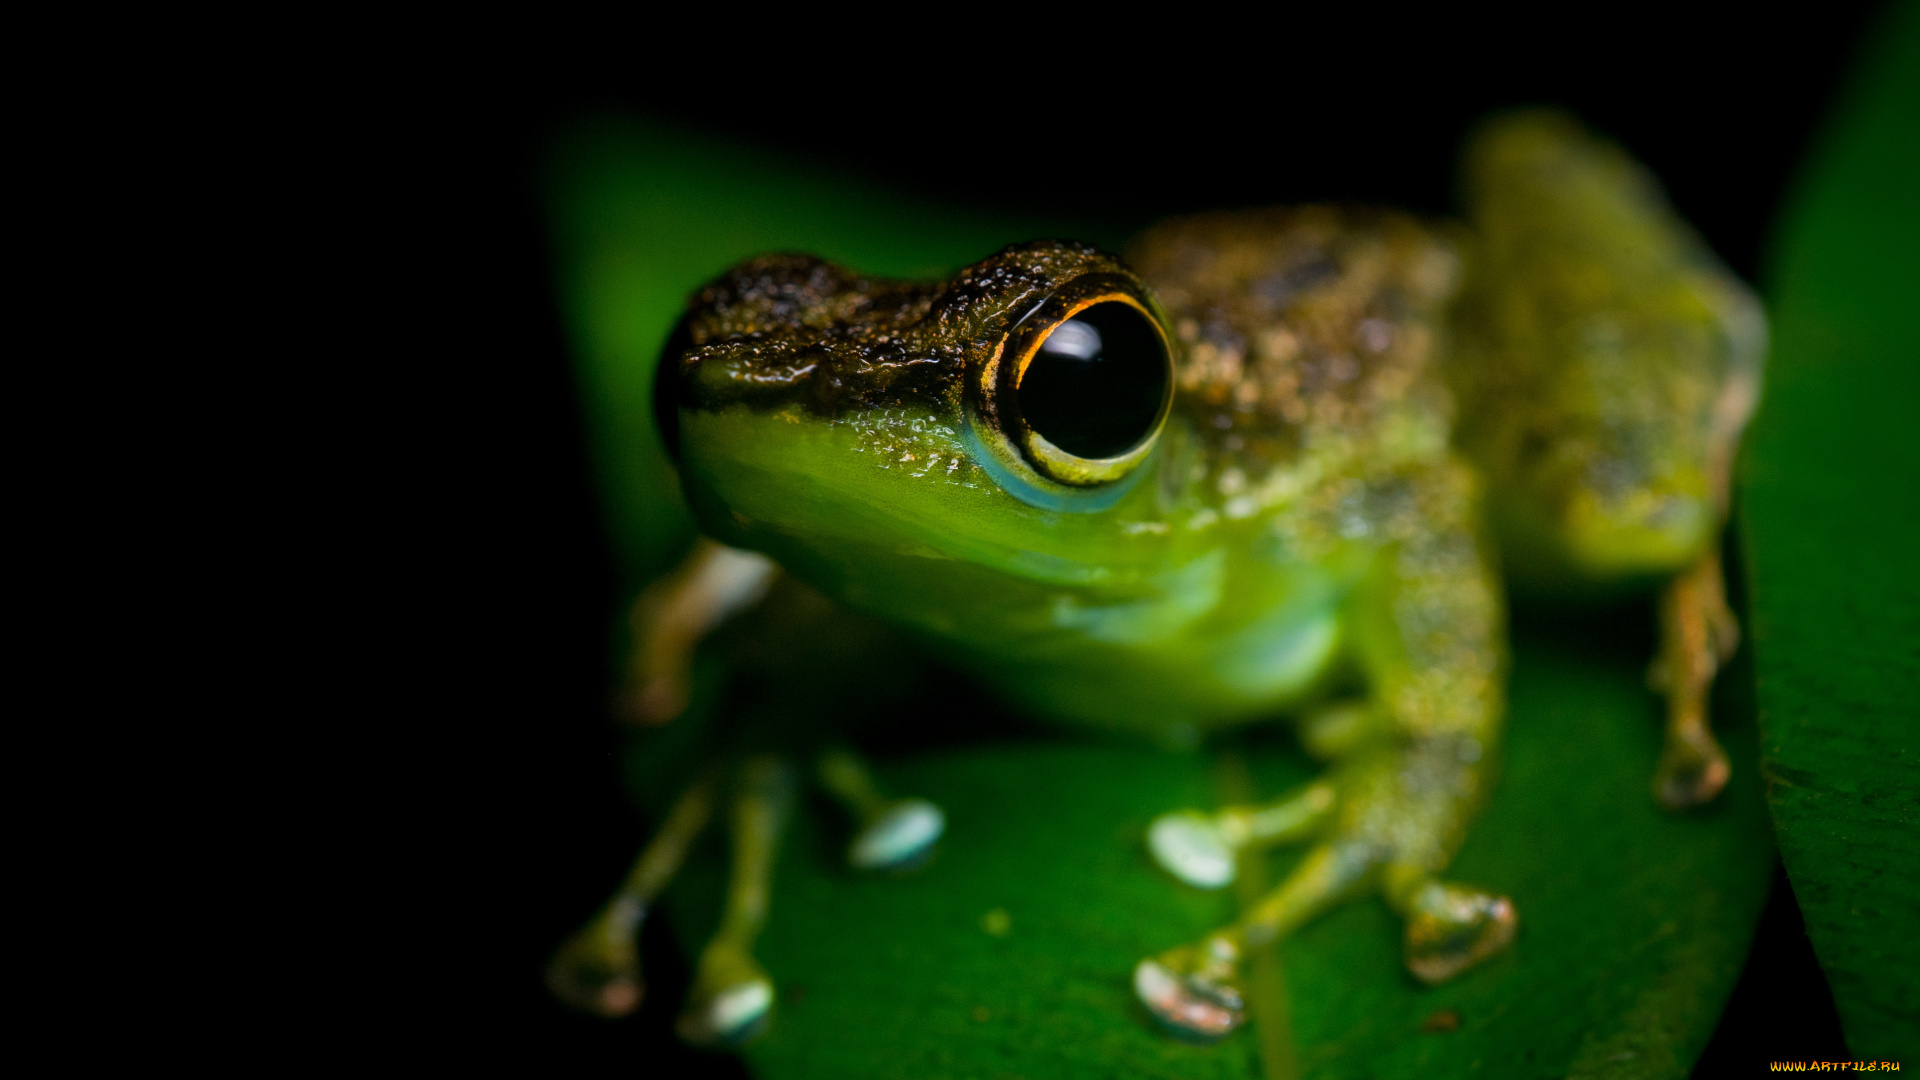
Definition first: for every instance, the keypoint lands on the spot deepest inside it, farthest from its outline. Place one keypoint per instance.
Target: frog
(1268, 466)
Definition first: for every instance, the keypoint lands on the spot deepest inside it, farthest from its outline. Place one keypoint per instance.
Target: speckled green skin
(1305, 529)
(823, 420)
(1603, 365)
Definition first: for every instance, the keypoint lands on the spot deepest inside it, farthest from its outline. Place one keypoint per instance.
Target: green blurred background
(1199, 116)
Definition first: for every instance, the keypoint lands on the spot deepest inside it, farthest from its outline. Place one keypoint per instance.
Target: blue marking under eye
(1041, 492)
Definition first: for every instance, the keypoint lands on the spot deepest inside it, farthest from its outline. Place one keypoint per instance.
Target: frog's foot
(1194, 990)
(1450, 928)
(731, 999)
(1202, 849)
(1693, 768)
(671, 617)
(894, 834)
(598, 969)
(1698, 633)
(901, 838)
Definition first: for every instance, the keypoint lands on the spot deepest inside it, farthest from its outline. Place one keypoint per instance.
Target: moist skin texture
(1299, 535)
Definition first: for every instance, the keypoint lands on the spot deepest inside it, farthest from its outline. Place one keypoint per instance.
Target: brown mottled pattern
(784, 328)
(1299, 322)
(1310, 374)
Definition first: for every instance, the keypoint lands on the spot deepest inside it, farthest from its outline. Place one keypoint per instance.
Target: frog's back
(1310, 338)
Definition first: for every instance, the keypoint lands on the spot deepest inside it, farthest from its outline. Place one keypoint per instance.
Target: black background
(526, 827)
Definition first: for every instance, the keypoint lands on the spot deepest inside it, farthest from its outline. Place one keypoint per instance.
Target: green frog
(1267, 465)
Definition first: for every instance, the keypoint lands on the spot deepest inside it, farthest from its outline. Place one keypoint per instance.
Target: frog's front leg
(732, 995)
(598, 969)
(672, 616)
(1698, 633)
(894, 834)
(1203, 849)
(1427, 634)
(1400, 813)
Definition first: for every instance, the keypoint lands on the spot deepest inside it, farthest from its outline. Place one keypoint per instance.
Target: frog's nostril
(1096, 385)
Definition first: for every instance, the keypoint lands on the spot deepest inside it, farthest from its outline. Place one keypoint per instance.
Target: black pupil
(1094, 388)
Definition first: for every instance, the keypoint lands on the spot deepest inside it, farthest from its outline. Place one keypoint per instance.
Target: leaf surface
(1831, 504)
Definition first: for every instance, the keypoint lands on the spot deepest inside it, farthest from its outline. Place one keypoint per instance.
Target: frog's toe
(597, 972)
(1193, 991)
(899, 839)
(1692, 771)
(733, 1017)
(1190, 846)
(1451, 928)
(609, 993)
(729, 1015)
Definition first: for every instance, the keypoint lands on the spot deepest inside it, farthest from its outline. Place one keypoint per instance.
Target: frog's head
(906, 445)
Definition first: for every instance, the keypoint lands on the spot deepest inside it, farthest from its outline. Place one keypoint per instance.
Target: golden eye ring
(1082, 385)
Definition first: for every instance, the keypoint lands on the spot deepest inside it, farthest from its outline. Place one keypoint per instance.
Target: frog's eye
(1090, 392)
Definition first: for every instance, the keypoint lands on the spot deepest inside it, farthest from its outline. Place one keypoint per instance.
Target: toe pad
(1181, 1007)
(902, 835)
(1189, 846)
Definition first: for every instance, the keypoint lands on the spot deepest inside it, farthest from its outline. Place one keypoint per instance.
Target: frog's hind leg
(894, 834)
(670, 618)
(598, 969)
(732, 996)
(1698, 633)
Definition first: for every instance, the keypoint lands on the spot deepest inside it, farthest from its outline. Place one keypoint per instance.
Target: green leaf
(1831, 506)
(1634, 923)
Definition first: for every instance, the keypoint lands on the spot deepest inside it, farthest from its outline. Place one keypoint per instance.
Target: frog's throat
(1018, 479)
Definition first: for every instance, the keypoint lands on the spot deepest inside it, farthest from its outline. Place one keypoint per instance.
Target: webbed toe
(1450, 929)
(730, 1002)
(1190, 846)
(1193, 991)
(732, 1017)
(1692, 771)
(899, 839)
(597, 970)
